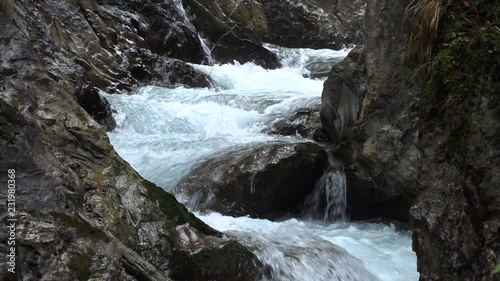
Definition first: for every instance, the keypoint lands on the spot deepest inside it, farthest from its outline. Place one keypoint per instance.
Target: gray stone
(260, 182)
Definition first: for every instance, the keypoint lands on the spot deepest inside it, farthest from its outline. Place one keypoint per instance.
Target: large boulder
(305, 122)
(232, 40)
(82, 211)
(427, 143)
(303, 24)
(371, 112)
(261, 182)
(236, 29)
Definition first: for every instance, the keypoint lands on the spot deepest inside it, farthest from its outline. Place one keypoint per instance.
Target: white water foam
(306, 251)
(163, 132)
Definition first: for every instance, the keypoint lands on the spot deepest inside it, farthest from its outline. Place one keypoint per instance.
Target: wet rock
(236, 29)
(454, 217)
(257, 181)
(305, 122)
(300, 24)
(216, 264)
(230, 40)
(84, 212)
(96, 106)
(166, 31)
(397, 159)
(350, 14)
(177, 72)
(230, 48)
(373, 116)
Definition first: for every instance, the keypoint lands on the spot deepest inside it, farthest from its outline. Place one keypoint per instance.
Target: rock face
(236, 29)
(349, 14)
(443, 166)
(260, 182)
(302, 23)
(233, 28)
(83, 211)
(96, 106)
(456, 220)
(370, 111)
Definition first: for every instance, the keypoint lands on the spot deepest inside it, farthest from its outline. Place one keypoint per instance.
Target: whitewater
(163, 133)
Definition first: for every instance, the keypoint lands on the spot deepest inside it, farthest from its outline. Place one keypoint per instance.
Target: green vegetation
(80, 266)
(495, 271)
(35, 32)
(131, 59)
(309, 4)
(455, 47)
(174, 210)
(6, 40)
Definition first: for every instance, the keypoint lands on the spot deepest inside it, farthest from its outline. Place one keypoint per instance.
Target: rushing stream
(164, 132)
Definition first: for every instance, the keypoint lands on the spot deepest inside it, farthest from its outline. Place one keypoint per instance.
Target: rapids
(164, 132)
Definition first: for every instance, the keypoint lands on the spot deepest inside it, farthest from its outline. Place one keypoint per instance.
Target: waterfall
(328, 200)
(203, 42)
(193, 124)
(206, 50)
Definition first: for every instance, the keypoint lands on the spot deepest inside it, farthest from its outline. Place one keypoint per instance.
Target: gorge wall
(414, 112)
(84, 213)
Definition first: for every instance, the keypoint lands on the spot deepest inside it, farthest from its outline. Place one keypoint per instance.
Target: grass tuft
(427, 16)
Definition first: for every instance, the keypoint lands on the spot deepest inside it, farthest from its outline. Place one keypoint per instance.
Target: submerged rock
(260, 182)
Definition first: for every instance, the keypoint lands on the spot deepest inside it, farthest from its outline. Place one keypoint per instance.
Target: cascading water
(203, 42)
(164, 132)
(328, 201)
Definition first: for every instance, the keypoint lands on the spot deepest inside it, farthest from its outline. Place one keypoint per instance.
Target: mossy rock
(463, 68)
(84, 229)
(310, 4)
(231, 262)
(171, 208)
(80, 265)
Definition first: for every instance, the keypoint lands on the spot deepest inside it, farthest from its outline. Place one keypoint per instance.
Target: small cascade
(328, 201)
(203, 42)
(193, 124)
(206, 50)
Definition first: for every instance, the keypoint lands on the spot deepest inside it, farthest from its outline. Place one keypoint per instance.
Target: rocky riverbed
(415, 147)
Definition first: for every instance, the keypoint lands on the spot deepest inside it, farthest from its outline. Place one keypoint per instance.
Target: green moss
(35, 32)
(83, 228)
(309, 4)
(462, 67)
(131, 59)
(7, 113)
(7, 39)
(225, 263)
(174, 210)
(80, 266)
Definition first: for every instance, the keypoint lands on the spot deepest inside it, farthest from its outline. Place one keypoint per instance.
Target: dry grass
(426, 17)
(5, 8)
